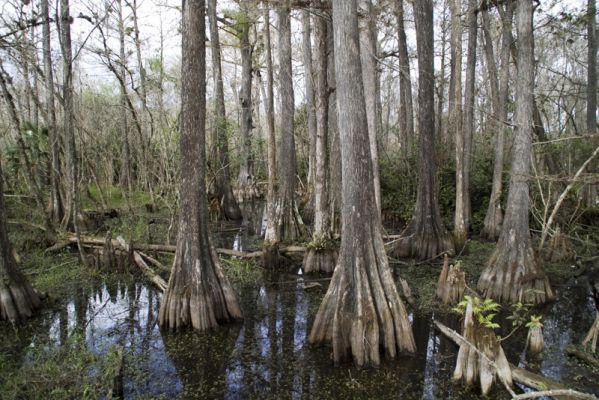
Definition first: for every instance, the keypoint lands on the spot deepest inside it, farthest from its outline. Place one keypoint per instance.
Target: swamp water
(267, 355)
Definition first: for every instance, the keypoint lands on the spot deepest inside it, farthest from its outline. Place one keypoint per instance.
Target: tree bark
(460, 228)
(406, 108)
(57, 207)
(18, 299)
(513, 274)
(462, 217)
(308, 211)
(494, 215)
(592, 67)
(370, 78)
(361, 312)
(198, 293)
(322, 254)
(425, 236)
(245, 184)
(271, 237)
(125, 177)
(288, 221)
(223, 189)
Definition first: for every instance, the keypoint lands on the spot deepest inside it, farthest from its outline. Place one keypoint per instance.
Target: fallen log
(164, 248)
(139, 261)
(522, 376)
(589, 359)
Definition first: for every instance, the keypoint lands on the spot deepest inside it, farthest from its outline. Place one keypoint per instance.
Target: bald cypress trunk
(226, 199)
(406, 109)
(18, 300)
(198, 293)
(500, 80)
(57, 207)
(308, 208)
(513, 274)
(361, 313)
(425, 236)
(288, 222)
(368, 54)
(321, 254)
(246, 186)
(592, 66)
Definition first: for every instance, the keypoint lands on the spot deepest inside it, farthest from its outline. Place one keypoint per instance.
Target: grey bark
(499, 84)
(125, 176)
(198, 293)
(245, 183)
(223, 189)
(57, 207)
(370, 77)
(425, 236)
(513, 273)
(592, 67)
(406, 108)
(321, 255)
(361, 313)
(310, 110)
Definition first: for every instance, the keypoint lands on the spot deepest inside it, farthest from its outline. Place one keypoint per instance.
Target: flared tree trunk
(18, 300)
(287, 223)
(494, 215)
(361, 313)
(406, 109)
(513, 274)
(425, 236)
(322, 254)
(57, 207)
(224, 192)
(246, 187)
(198, 293)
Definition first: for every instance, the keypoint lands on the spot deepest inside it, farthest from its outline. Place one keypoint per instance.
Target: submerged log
(588, 358)
(452, 283)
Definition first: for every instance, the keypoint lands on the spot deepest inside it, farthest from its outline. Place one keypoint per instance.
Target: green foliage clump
(483, 310)
(240, 271)
(321, 244)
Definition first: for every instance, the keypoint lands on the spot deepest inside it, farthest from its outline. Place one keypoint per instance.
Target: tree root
(592, 336)
(320, 260)
(452, 283)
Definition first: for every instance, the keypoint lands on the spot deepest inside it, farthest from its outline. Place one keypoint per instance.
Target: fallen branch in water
(572, 394)
(139, 261)
(589, 359)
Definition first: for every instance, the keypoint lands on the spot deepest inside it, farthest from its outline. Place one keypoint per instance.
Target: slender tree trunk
(322, 254)
(271, 235)
(334, 137)
(57, 208)
(198, 293)
(460, 228)
(125, 150)
(425, 236)
(245, 184)
(368, 54)
(441, 129)
(494, 215)
(513, 274)
(69, 124)
(592, 66)
(361, 313)
(288, 221)
(18, 300)
(308, 211)
(406, 109)
(226, 199)
(462, 214)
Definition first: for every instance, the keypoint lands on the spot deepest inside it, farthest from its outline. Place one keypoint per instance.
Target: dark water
(267, 355)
